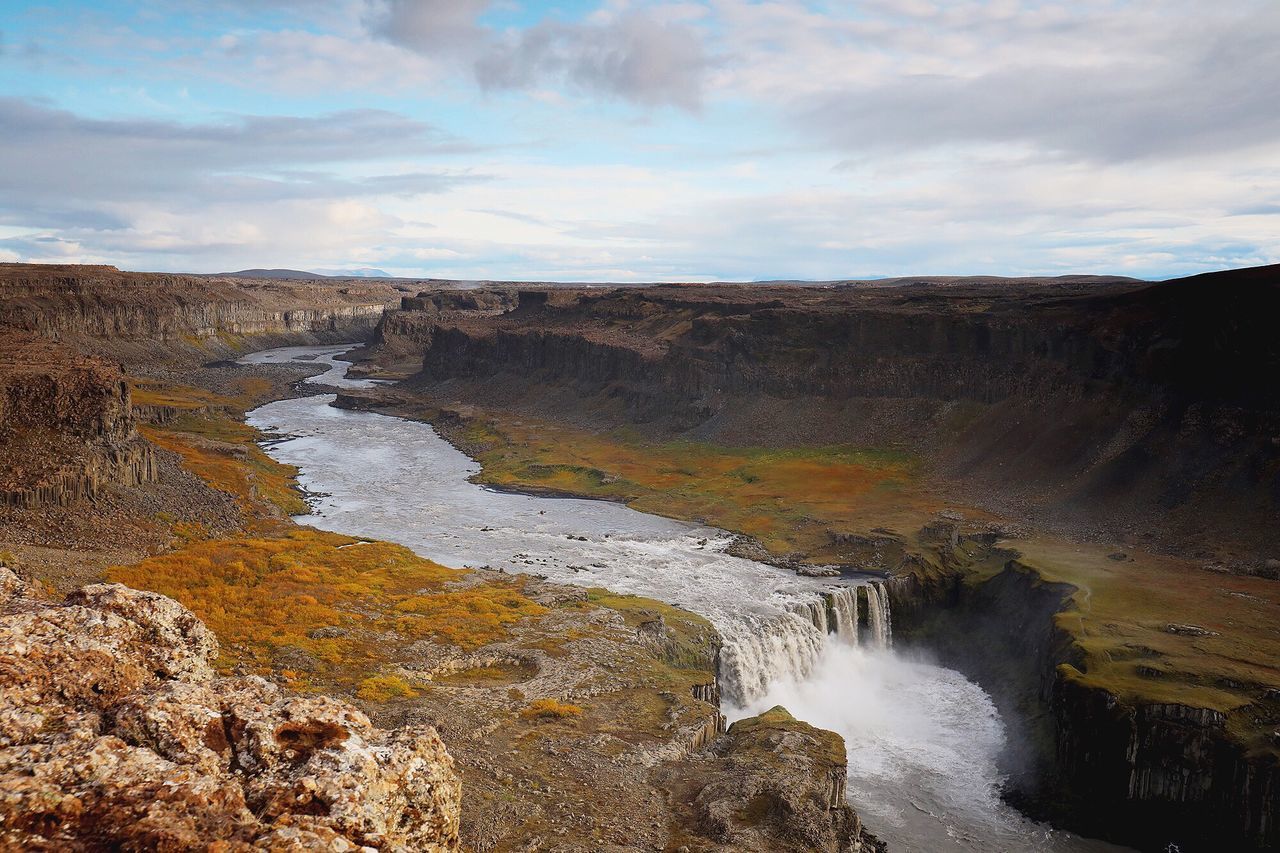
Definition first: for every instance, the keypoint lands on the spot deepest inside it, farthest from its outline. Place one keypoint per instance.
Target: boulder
(115, 733)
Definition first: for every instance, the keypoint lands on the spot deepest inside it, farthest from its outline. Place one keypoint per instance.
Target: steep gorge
(1102, 412)
(1146, 773)
(136, 317)
(246, 759)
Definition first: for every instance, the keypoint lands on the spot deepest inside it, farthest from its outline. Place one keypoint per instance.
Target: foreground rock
(115, 734)
(771, 783)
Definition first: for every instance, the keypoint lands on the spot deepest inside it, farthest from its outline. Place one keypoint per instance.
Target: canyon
(1086, 522)
(1065, 489)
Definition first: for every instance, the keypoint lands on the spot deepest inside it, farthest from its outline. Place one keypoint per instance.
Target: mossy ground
(791, 500)
(1121, 616)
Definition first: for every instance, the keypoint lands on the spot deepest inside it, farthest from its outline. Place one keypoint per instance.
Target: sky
(633, 141)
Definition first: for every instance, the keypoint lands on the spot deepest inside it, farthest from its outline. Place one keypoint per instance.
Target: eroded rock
(114, 733)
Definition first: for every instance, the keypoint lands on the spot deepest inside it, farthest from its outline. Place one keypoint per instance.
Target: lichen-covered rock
(179, 643)
(114, 734)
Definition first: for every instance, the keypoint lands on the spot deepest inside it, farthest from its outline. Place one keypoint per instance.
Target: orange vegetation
(231, 462)
(788, 498)
(550, 709)
(262, 595)
(384, 688)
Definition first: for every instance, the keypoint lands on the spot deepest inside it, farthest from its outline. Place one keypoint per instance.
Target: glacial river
(922, 739)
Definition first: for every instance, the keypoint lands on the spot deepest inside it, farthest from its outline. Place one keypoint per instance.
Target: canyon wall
(1120, 407)
(105, 310)
(67, 427)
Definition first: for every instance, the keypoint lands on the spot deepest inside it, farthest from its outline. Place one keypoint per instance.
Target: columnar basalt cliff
(407, 332)
(115, 734)
(66, 426)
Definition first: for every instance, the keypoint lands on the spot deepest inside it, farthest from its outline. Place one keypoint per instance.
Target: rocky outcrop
(66, 426)
(408, 331)
(115, 734)
(771, 783)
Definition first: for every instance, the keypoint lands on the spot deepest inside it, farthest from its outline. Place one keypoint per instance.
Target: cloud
(247, 185)
(642, 56)
(62, 168)
(431, 26)
(1103, 80)
(635, 57)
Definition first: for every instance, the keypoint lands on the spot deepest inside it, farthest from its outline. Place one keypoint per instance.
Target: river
(922, 740)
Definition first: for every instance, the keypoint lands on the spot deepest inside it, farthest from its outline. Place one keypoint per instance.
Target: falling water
(878, 620)
(835, 613)
(758, 652)
(844, 604)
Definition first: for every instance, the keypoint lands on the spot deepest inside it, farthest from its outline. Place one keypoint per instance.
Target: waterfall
(844, 604)
(878, 620)
(760, 651)
(815, 613)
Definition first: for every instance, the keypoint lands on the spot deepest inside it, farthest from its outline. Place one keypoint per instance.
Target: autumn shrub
(384, 688)
(550, 709)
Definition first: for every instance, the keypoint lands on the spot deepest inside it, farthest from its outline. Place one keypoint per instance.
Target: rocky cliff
(1152, 774)
(66, 426)
(1118, 407)
(115, 734)
(103, 309)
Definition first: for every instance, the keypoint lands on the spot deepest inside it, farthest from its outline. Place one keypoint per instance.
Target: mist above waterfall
(923, 743)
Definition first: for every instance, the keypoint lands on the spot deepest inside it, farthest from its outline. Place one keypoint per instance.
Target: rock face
(1167, 765)
(66, 426)
(771, 783)
(1107, 405)
(408, 331)
(104, 309)
(115, 734)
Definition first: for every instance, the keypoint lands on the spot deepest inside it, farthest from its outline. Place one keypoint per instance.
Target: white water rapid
(922, 739)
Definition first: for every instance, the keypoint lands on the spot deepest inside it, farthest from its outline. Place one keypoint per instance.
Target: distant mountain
(258, 273)
(362, 272)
